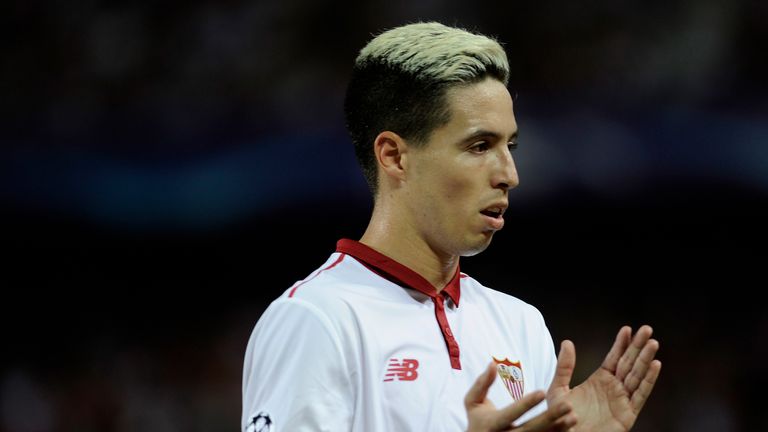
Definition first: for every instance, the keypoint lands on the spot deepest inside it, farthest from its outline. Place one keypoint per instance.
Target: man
(388, 334)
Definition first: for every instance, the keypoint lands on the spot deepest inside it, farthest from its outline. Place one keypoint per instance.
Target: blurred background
(169, 168)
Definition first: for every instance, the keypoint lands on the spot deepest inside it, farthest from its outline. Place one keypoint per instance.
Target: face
(458, 182)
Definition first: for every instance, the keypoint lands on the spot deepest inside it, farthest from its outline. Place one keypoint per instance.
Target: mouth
(494, 216)
(494, 212)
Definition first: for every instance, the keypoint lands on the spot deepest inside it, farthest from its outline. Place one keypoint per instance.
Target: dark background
(169, 168)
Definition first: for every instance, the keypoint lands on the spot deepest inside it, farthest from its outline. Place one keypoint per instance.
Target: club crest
(512, 376)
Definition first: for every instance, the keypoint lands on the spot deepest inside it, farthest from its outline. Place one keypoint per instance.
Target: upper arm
(295, 371)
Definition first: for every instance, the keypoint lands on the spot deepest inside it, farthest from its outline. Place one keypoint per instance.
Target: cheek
(456, 192)
(449, 190)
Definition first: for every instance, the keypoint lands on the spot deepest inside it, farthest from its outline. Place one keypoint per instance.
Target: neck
(401, 241)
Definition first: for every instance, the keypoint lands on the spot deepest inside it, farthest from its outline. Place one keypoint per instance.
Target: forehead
(483, 105)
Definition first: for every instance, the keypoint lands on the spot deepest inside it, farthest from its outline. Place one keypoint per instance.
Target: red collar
(394, 271)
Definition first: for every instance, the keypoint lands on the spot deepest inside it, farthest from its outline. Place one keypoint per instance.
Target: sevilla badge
(512, 376)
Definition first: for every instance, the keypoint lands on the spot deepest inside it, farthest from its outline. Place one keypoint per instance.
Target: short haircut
(400, 79)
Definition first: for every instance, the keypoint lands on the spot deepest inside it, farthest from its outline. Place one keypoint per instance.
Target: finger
(479, 389)
(619, 346)
(629, 356)
(646, 386)
(559, 417)
(510, 413)
(641, 366)
(566, 361)
(564, 424)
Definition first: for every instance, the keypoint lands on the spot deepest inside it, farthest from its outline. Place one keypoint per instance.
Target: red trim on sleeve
(338, 260)
(404, 276)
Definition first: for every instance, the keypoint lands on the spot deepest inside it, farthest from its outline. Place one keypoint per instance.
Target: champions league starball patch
(512, 376)
(260, 423)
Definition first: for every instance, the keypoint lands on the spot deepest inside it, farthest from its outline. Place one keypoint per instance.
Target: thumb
(478, 391)
(566, 361)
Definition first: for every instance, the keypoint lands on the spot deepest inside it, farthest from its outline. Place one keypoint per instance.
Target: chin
(478, 245)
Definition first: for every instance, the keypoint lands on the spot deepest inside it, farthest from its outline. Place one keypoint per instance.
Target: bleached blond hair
(435, 52)
(400, 79)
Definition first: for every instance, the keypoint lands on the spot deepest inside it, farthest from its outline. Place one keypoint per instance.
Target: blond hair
(435, 52)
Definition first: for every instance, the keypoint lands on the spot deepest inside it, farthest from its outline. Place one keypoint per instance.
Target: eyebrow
(486, 133)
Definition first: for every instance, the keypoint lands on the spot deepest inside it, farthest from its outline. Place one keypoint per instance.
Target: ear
(391, 151)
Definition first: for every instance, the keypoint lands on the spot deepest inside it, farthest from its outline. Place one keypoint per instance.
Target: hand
(612, 397)
(484, 417)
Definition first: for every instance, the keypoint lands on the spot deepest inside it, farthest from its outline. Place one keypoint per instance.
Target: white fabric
(317, 360)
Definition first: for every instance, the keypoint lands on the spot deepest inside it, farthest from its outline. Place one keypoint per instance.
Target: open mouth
(494, 216)
(492, 212)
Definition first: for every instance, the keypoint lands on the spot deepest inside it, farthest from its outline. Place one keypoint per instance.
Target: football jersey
(366, 344)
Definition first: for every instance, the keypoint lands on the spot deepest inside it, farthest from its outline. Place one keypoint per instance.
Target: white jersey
(366, 344)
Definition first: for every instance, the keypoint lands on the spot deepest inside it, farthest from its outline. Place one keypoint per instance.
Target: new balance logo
(403, 371)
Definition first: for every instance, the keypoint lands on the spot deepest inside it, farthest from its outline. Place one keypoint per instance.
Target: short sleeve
(545, 361)
(548, 358)
(295, 376)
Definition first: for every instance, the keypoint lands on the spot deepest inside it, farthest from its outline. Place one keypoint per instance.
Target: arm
(295, 372)
(613, 396)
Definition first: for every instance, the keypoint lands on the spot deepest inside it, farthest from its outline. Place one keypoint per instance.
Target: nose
(505, 175)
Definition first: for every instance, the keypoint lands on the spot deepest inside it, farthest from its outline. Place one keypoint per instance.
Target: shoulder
(341, 279)
(320, 281)
(331, 295)
(517, 319)
(313, 306)
(475, 292)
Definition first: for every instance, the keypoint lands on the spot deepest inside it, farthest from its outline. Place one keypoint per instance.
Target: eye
(480, 147)
(512, 146)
